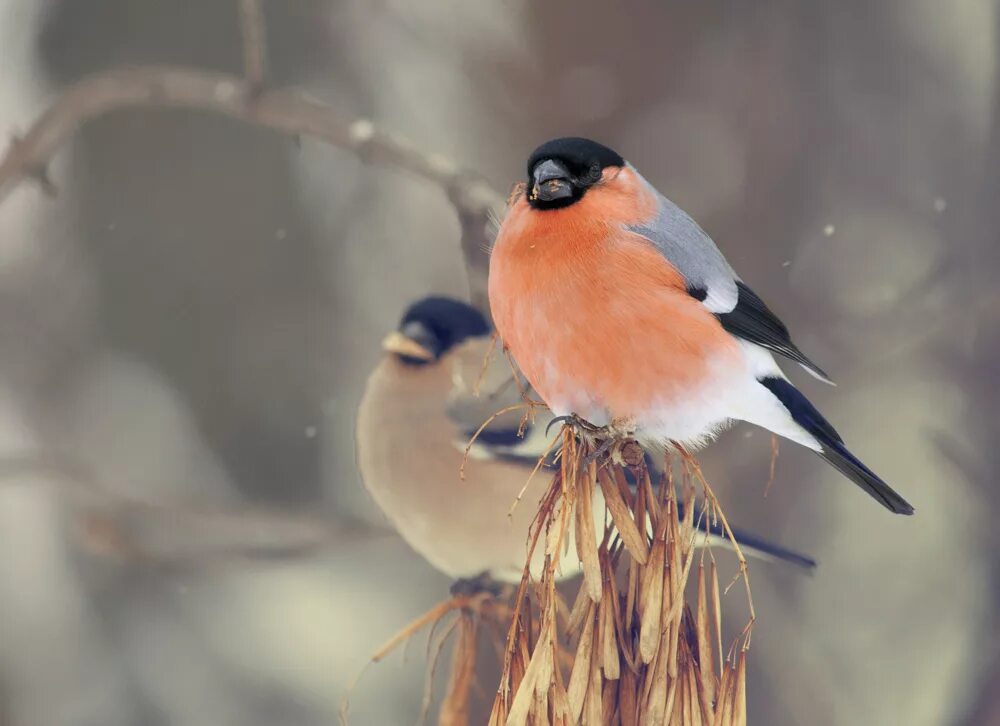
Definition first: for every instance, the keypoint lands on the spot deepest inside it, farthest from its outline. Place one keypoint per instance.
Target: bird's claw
(603, 448)
(605, 438)
(482, 583)
(554, 421)
(616, 447)
(579, 423)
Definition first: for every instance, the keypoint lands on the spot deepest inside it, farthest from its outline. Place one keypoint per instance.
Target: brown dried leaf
(634, 541)
(594, 706)
(498, 714)
(540, 708)
(626, 492)
(672, 692)
(524, 696)
(653, 662)
(610, 703)
(704, 640)
(455, 707)
(651, 501)
(434, 654)
(724, 706)
(586, 537)
(581, 607)
(560, 699)
(629, 687)
(580, 675)
(623, 639)
(651, 598)
(695, 706)
(713, 574)
(608, 634)
(673, 600)
(740, 696)
(556, 531)
(657, 682)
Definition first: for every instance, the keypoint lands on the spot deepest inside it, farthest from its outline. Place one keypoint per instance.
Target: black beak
(552, 181)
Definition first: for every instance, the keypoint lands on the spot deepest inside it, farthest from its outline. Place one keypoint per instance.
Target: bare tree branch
(254, 44)
(117, 524)
(282, 109)
(112, 523)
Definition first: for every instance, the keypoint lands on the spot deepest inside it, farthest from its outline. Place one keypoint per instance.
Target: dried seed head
(630, 650)
(640, 655)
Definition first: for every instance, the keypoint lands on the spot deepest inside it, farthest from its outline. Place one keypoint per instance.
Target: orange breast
(599, 322)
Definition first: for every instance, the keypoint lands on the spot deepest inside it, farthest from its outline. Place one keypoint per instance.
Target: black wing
(752, 320)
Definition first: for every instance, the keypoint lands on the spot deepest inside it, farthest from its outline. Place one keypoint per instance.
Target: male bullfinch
(620, 310)
(417, 414)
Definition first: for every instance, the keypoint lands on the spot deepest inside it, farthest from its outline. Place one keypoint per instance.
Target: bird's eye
(592, 175)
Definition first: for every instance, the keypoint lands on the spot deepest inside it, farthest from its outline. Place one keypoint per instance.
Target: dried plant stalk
(472, 610)
(455, 707)
(631, 650)
(638, 654)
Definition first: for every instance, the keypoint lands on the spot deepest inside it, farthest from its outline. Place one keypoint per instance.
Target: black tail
(833, 449)
(751, 544)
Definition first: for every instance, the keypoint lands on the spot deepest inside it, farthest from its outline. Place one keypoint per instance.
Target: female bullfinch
(619, 309)
(415, 418)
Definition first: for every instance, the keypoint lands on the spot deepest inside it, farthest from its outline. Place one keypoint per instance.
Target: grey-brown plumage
(410, 453)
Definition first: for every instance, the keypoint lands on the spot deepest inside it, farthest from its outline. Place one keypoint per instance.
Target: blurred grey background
(192, 319)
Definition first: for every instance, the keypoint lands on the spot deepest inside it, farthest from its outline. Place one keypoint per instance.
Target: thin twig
(487, 359)
(115, 524)
(253, 30)
(744, 570)
(774, 464)
(538, 465)
(493, 417)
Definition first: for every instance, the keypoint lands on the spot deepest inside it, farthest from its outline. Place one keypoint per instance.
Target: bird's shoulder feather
(710, 279)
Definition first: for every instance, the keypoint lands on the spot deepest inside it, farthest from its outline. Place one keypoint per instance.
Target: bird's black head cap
(561, 171)
(438, 324)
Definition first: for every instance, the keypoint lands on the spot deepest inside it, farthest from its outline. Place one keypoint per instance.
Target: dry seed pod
(586, 537)
(579, 676)
(637, 654)
(632, 538)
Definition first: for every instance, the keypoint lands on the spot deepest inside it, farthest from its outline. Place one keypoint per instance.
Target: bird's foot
(481, 584)
(580, 424)
(622, 427)
(614, 447)
(600, 439)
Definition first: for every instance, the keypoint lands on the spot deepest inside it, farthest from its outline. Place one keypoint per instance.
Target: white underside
(726, 397)
(729, 396)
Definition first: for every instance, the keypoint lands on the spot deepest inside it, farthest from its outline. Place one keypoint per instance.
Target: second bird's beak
(552, 181)
(396, 342)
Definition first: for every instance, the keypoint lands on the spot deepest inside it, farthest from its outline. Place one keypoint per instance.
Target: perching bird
(415, 419)
(619, 309)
